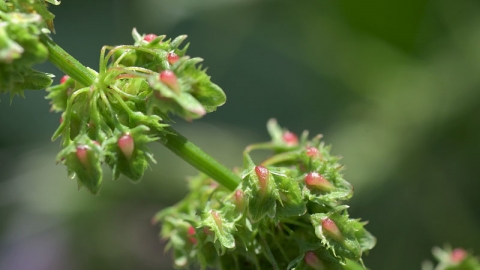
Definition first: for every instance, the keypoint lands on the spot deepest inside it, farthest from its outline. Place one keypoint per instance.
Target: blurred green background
(394, 86)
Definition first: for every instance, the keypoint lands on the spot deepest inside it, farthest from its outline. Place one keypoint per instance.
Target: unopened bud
(126, 145)
(290, 138)
(263, 177)
(191, 237)
(312, 152)
(313, 261)
(316, 180)
(82, 154)
(329, 227)
(239, 200)
(172, 58)
(149, 37)
(169, 78)
(64, 79)
(218, 219)
(458, 255)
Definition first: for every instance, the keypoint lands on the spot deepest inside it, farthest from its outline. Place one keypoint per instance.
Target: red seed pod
(329, 227)
(312, 152)
(313, 261)
(290, 138)
(191, 235)
(82, 155)
(218, 219)
(458, 255)
(64, 79)
(172, 58)
(126, 145)
(263, 177)
(149, 37)
(169, 78)
(316, 180)
(239, 200)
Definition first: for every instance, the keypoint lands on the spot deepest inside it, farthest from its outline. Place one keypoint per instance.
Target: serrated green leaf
(346, 247)
(222, 227)
(291, 200)
(89, 174)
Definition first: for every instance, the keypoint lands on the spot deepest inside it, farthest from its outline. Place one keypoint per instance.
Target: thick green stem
(66, 63)
(174, 141)
(195, 156)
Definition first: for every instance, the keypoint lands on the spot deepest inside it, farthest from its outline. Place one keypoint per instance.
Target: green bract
(132, 95)
(276, 218)
(21, 24)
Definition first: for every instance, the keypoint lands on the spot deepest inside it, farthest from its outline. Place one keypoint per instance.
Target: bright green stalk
(192, 154)
(66, 63)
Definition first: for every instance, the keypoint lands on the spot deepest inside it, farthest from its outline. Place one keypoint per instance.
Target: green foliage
(21, 24)
(129, 97)
(272, 220)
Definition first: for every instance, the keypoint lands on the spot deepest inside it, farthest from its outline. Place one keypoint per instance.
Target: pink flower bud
(290, 138)
(149, 37)
(218, 219)
(191, 237)
(312, 152)
(329, 227)
(316, 180)
(126, 145)
(262, 174)
(82, 155)
(169, 78)
(172, 58)
(97, 143)
(64, 79)
(458, 255)
(313, 261)
(239, 200)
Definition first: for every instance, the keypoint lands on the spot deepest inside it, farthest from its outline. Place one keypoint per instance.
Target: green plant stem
(66, 63)
(196, 157)
(173, 140)
(351, 265)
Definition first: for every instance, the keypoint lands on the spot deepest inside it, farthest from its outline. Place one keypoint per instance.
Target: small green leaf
(291, 199)
(36, 80)
(222, 227)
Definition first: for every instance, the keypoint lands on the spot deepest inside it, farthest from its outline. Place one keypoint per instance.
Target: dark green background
(394, 86)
